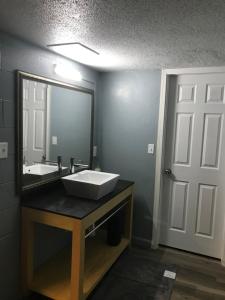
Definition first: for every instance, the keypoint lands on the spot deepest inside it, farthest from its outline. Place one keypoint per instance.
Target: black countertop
(55, 200)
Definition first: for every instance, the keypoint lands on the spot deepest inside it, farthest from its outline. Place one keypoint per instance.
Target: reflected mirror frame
(20, 76)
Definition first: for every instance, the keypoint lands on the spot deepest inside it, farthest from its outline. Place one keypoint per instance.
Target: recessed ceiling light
(76, 51)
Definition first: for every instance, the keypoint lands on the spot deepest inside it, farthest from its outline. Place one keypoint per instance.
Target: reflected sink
(90, 184)
(42, 170)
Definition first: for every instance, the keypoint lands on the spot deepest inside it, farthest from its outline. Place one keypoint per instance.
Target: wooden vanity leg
(77, 262)
(27, 248)
(129, 218)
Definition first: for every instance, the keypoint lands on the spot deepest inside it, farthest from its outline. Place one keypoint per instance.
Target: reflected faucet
(43, 159)
(58, 162)
(71, 165)
(25, 161)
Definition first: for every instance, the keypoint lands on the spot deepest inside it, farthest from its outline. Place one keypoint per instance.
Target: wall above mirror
(55, 130)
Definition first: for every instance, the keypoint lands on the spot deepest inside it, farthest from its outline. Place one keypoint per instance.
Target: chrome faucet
(80, 164)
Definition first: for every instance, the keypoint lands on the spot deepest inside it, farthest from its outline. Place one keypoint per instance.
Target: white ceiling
(129, 34)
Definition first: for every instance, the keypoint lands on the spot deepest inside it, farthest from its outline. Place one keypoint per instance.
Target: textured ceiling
(129, 34)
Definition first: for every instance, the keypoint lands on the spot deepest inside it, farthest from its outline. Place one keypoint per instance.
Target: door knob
(167, 172)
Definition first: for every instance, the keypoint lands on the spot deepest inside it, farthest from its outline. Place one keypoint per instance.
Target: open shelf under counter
(52, 279)
(99, 257)
(73, 273)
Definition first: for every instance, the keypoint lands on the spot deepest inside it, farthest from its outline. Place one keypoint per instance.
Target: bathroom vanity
(74, 272)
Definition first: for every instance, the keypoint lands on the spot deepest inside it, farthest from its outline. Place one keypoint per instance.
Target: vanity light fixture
(75, 51)
(67, 72)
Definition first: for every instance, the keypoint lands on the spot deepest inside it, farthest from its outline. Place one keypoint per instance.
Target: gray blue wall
(129, 103)
(125, 122)
(16, 54)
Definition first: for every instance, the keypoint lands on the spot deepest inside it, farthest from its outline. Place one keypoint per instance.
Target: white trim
(160, 143)
(159, 161)
(195, 70)
(223, 249)
(48, 116)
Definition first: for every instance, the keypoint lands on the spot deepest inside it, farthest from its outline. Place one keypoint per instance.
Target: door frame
(48, 133)
(160, 148)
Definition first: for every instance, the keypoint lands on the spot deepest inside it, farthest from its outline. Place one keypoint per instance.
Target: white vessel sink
(41, 170)
(90, 184)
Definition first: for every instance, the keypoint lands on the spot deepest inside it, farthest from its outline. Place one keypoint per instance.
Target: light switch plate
(54, 140)
(151, 148)
(95, 151)
(3, 150)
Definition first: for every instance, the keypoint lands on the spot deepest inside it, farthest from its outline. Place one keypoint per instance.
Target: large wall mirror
(55, 130)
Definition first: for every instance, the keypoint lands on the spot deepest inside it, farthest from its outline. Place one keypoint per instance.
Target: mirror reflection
(57, 130)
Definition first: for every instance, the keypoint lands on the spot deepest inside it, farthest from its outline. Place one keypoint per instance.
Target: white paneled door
(34, 120)
(193, 202)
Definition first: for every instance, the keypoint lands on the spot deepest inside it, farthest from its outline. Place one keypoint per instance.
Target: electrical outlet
(3, 150)
(151, 148)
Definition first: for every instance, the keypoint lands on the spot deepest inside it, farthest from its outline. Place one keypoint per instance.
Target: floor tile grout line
(138, 281)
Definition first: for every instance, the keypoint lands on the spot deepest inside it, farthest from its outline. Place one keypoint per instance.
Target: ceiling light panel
(77, 52)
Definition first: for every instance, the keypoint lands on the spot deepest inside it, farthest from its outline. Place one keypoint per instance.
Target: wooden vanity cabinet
(73, 273)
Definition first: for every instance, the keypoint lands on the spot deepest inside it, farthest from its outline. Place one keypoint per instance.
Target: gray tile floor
(135, 276)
